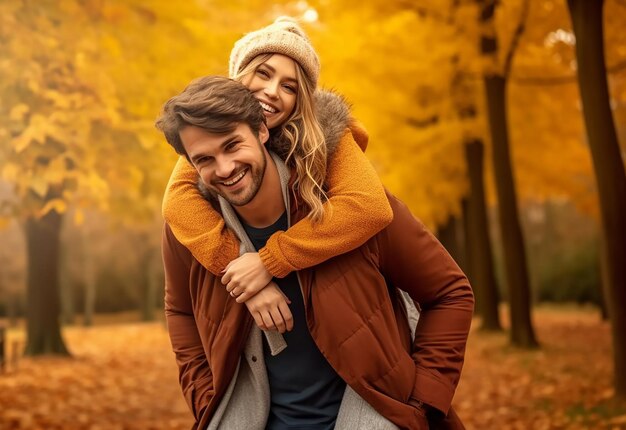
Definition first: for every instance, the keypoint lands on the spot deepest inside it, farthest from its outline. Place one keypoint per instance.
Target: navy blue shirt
(305, 390)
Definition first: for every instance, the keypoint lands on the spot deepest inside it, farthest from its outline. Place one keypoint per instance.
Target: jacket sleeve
(356, 210)
(195, 223)
(195, 375)
(413, 260)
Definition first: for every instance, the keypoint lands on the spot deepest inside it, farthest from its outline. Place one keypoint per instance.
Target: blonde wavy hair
(307, 152)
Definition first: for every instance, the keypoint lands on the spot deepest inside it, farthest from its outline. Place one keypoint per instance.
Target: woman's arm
(195, 223)
(358, 210)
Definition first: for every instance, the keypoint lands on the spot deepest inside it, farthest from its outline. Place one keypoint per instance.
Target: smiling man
(351, 361)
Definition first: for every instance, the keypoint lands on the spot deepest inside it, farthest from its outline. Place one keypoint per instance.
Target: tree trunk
(604, 279)
(148, 292)
(43, 327)
(467, 268)
(515, 264)
(67, 292)
(147, 267)
(478, 245)
(90, 282)
(516, 267)
(450, 237)
(608, 166)
(3, 348)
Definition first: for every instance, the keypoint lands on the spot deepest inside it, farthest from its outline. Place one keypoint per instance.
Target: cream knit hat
(283, 36)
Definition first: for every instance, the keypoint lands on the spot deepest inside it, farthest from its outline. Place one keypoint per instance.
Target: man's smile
(238, 177)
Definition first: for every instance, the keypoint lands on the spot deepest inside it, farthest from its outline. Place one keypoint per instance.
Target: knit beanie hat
(283, 36)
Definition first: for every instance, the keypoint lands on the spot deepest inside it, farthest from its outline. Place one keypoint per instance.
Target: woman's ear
(264, 134)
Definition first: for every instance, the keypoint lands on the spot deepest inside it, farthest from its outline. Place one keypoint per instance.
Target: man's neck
(268, 204)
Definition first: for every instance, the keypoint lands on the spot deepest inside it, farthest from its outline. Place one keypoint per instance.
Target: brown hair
(214, 103)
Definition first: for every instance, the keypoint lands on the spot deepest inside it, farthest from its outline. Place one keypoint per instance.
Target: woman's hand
(245, 276)
(270, 309)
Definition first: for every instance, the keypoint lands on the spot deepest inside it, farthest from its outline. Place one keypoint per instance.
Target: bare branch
(508, 62)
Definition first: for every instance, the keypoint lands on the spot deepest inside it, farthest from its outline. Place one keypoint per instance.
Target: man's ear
(264, 134)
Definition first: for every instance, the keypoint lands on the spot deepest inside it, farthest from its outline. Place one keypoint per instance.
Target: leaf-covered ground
(566, 384)
(123, 376)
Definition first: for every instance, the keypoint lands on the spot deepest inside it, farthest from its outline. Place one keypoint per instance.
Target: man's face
(231, 165)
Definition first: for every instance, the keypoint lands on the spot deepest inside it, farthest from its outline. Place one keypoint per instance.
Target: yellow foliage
(18, 112)
(39, 186)
(72, 73)
(10, 172)
(79, 217)
(78, 96)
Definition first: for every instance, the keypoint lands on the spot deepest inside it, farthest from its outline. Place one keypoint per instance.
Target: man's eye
(231, 146)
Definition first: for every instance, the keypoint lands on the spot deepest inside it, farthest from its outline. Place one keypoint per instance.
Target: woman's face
(275, 86)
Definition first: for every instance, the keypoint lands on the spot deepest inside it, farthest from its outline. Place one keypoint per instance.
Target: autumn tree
(49, 103)
(77, 113)
(465, 93)
(495, 79)
(587, 22)
(478, 244)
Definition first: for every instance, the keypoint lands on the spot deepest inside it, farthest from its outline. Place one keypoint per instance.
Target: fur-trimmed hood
(333, 114)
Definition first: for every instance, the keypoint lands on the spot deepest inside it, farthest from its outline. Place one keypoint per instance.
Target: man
(350, 361)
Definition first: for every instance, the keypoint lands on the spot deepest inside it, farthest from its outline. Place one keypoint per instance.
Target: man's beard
(246, 195)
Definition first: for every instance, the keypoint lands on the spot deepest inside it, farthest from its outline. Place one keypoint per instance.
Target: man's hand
(270, 309)
(245, 276)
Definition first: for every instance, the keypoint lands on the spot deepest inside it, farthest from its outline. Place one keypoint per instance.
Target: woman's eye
(290, 88)
(263, 73)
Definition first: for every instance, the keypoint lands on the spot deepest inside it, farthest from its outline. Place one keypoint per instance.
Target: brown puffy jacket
(354, 315)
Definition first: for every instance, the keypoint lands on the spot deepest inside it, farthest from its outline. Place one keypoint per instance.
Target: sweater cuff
(221, 259)
(278, 268)
(432, 391)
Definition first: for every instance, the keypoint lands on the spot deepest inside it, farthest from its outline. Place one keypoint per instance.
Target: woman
(314, 133)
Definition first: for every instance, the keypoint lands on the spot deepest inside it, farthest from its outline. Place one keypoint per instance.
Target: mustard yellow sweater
(359, 210)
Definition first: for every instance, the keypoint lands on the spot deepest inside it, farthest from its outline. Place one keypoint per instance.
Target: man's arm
(195, 375)
(413, 260)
